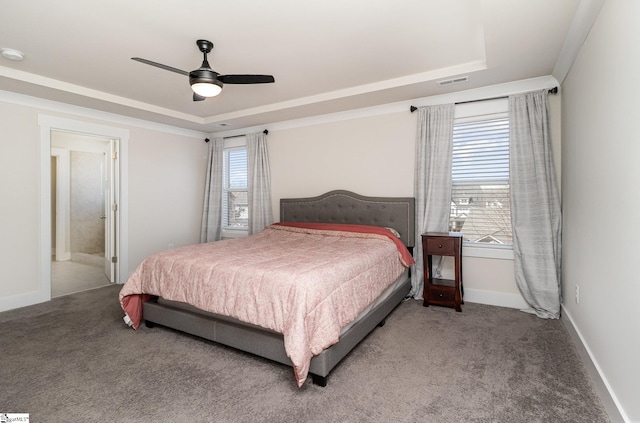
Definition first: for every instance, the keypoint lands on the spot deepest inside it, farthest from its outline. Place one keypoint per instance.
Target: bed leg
(382, 323)
(319, 380)
(149, 324)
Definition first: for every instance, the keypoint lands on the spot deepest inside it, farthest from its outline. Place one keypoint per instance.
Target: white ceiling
(326, 56)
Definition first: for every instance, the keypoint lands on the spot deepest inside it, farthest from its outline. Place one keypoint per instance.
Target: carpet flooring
(73, 360)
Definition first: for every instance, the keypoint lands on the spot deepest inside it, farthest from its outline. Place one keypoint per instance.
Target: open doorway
(83, 172)
(118, 139)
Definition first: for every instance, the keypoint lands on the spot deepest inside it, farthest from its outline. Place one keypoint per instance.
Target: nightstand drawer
(442, 295)
(440, 246)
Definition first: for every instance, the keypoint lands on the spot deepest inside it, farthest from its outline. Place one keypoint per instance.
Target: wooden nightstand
(442, 292)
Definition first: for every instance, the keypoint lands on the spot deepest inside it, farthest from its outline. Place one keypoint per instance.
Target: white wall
(600, 174)
(19, 200)
(166, 192)
(166, 176)
(370, 156)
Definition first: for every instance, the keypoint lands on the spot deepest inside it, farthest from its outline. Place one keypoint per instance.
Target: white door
(111, 212)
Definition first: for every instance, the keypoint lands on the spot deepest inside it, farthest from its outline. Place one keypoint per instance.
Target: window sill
(487, 251)
(234, 233)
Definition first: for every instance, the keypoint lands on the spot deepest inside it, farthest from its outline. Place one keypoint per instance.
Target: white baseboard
(21, 300)
(66, 256)
(609, 400)
(499, 299)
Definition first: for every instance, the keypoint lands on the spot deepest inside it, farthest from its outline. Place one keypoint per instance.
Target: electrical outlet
(577, 294)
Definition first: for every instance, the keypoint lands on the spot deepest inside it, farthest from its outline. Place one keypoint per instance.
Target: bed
(300, 219)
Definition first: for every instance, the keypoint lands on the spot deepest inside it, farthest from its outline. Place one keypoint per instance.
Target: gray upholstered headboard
(347, 207)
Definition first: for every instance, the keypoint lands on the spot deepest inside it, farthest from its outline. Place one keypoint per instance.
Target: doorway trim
(48, 123)
(63, 195)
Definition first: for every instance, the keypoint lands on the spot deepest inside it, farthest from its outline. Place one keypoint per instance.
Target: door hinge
(114, 259)
(114, 207)
(114, 155)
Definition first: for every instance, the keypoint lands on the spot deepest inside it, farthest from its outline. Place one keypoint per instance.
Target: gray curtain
(432, 180)
(259, 183)
(212, 209)
(535, 205)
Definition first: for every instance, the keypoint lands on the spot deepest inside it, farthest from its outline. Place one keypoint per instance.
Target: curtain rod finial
(413, 109)
(206, 140)
(265, 132)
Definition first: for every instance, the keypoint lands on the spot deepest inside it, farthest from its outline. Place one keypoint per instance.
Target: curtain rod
(553, 90)
(236, 136)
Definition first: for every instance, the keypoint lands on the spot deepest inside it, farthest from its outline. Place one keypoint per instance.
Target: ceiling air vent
(453, 81)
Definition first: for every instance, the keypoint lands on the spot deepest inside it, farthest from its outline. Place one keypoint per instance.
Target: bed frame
(332, 207)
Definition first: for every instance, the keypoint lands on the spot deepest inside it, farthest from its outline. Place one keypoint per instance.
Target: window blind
(235, 211)
(480, 205)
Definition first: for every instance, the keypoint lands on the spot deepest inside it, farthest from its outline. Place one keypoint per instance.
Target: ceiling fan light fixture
(204, 82)
(207, 89)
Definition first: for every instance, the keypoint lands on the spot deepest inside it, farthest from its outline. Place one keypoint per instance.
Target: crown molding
(586, 14)
(55, 84)
(499, 90)
(353, 91)
(84, 112)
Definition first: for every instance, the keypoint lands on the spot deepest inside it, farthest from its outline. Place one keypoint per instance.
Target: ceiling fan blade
(160, 65)
(245, 79)
(197, 97)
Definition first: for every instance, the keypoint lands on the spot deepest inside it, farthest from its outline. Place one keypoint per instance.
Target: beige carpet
(73, 360)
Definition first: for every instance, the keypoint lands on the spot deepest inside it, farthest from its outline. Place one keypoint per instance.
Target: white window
(235, 208)
(480, 206)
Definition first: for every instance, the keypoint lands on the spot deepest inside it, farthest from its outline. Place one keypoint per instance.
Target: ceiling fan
(204, 81)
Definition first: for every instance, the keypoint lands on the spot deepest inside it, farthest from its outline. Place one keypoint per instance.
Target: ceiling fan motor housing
(204, 82)
(204, 75)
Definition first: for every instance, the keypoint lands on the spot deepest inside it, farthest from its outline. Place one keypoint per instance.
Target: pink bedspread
(304, 283)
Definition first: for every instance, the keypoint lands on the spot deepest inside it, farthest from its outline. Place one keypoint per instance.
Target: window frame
(481, 110)
(235, 143)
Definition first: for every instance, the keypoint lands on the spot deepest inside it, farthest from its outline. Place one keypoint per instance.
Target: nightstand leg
(461, 283)
(427, 280)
